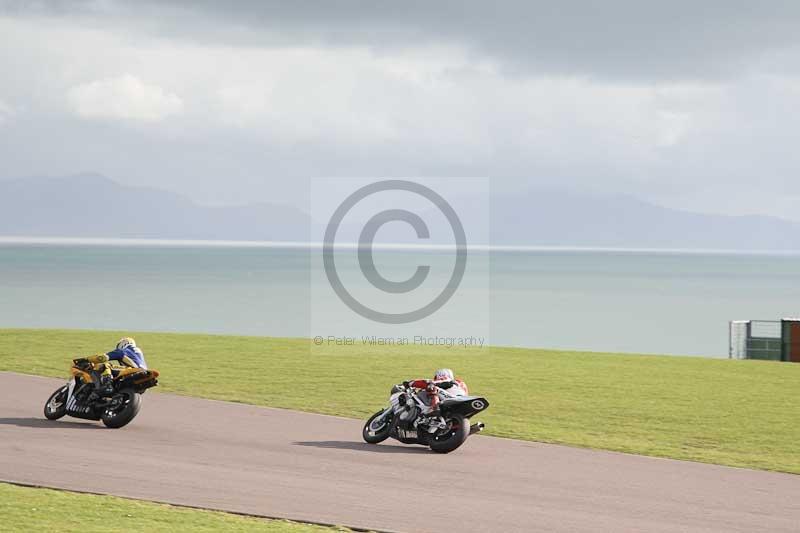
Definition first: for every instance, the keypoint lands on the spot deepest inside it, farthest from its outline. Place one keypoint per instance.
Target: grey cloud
(729, 68)
(615, 40)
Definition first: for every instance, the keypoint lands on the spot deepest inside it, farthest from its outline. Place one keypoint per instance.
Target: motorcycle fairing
(466, 406)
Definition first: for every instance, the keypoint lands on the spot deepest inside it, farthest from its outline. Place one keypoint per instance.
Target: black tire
(122, 415)
(453, 438)
(373, 436)
(56, 405)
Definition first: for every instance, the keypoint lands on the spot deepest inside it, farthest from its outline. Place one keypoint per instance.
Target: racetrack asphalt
(315, 468)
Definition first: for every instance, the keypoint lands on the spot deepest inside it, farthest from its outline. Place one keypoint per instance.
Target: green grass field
(739, 413)
(35, 509)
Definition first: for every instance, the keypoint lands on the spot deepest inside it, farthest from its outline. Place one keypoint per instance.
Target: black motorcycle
(406, 420)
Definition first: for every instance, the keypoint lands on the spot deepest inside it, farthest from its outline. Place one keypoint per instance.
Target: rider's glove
(82, 363)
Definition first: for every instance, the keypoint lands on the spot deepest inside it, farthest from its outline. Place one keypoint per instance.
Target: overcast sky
(687, 104)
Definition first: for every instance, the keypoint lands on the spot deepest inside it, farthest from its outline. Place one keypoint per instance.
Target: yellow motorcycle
(79, 397)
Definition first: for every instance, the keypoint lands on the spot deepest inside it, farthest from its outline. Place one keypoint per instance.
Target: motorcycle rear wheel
(454, 437)
(56, 405)
(376, 435)
(122, 415)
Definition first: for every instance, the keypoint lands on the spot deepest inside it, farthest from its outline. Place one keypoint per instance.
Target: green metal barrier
(765, 349)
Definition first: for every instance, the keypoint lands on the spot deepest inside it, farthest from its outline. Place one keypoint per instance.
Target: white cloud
(125, 97)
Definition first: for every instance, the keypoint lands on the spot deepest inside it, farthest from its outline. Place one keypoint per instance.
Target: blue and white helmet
(126, 342)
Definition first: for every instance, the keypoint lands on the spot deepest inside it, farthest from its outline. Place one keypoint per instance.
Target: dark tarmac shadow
(362, 446)
(32, 422)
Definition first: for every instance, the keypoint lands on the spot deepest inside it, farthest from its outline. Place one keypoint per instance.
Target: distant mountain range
(91, 205)
(556, 217)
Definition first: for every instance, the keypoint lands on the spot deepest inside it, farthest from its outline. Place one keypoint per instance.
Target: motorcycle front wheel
(125, 406)
(56, 405)
(375, 430)
(447, 440)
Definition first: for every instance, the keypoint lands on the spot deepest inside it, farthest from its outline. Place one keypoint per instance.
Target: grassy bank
(34, 509)
(739, 413)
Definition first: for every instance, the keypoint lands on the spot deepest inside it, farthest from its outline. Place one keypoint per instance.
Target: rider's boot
(106, 387)
(435, 424)
(433, 420)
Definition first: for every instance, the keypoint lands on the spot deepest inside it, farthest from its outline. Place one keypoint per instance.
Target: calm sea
(646, 302)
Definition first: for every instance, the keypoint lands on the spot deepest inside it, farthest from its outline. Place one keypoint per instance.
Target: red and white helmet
(443, 374)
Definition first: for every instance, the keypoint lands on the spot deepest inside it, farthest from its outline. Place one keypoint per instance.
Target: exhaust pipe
(476, 428)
